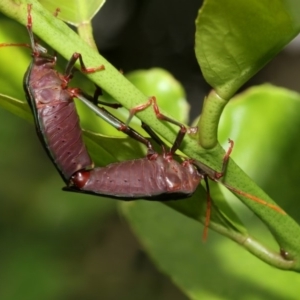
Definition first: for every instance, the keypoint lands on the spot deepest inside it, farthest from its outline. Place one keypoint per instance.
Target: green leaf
(78, 13)
(268, 119)
(74, 12)
(235, 39)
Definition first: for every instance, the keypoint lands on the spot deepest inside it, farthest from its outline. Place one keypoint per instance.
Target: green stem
(208, 123)
(256, 248)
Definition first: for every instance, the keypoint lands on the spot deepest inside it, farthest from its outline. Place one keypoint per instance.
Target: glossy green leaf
(74, 12)
(235, 39)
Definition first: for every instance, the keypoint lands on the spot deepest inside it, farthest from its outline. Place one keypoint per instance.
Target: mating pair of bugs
(154, 177)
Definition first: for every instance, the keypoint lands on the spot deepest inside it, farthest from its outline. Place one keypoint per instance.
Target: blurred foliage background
(58, 245)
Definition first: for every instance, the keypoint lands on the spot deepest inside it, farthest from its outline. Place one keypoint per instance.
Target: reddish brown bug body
(51, 100)
(156, 177)
(153, 178)
(56, 118)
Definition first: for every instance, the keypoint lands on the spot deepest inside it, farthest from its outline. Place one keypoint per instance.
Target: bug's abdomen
(128, 179)
(140, 178)
(62, 134)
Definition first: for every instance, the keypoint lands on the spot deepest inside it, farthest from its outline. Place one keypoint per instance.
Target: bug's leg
(68, 74)
(218, 175)
(29, 26)
(84, 69)
(109, 118)
(159, 115)
(154, 136)
(213, 174)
